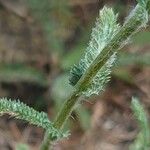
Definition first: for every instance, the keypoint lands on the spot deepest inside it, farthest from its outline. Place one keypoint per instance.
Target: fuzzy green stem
(67, 109)
(132, 24)
(47, 142)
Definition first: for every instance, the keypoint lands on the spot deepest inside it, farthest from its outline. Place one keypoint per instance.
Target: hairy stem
(136, 20)
(60, 120)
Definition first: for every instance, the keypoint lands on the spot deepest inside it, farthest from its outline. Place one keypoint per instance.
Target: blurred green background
(41, 40)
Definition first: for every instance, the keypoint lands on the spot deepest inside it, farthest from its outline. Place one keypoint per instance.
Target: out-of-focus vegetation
(11, 73)
(22, 147)
(142, 140)
(54, 18)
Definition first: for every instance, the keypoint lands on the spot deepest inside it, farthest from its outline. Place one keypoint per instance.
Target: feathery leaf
(21, 111)
(144, 3)
(105, 29)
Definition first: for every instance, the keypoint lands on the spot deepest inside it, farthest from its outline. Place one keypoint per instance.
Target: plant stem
(67, 109)
(46, 145)
(132, 24)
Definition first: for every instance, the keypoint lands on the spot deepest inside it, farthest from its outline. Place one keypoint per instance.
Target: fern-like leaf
(21, 111)
(105, 29)
(145, 3)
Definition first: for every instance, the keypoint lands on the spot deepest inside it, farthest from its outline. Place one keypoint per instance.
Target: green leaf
(21, 111)
(105, 29)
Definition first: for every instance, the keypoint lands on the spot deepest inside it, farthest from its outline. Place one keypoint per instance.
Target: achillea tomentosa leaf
(21, 111)
(140, 15)
(144, 3)
(105, 29)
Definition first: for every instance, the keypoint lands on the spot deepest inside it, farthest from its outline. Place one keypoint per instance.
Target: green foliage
(142, 142)
(105, 29)
(90, 75)
(20, 73)
(145, 4)
(24, 112)
(106, 39)
(82, 76)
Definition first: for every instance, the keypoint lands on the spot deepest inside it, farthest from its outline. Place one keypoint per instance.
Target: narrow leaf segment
(21, 111)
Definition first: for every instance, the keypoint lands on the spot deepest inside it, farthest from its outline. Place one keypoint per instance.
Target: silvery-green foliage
(102, 77)
(142, 142)
(106, 40)
(145, 3)
(140, 13)
(105, 29)
(21, 111)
